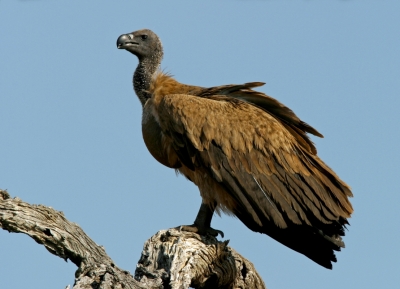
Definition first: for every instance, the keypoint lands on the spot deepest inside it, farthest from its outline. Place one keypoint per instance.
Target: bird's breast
(158, 145)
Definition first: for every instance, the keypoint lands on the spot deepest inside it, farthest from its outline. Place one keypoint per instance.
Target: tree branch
(170, 259)
(187, 259)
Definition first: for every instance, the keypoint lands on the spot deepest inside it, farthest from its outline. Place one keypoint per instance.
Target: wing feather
(276, 180)
(288, 118)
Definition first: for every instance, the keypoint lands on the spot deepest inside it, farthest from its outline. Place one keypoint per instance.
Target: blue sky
(71, 134)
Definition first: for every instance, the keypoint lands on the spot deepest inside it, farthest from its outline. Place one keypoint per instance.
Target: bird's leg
(202, 224)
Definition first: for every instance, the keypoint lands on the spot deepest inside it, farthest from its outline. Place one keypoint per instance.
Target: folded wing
(258, 150)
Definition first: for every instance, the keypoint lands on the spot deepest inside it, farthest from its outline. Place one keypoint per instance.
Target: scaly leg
(202, 224)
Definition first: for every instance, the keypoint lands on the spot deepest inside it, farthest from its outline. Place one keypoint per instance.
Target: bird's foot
(201, 230)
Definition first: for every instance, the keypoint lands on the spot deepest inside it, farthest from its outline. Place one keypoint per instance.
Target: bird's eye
(144, 37)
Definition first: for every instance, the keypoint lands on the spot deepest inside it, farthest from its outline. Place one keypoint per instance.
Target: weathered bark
(170, 259)
(185, 259)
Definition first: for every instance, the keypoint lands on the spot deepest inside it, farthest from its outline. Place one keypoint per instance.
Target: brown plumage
(249, 155)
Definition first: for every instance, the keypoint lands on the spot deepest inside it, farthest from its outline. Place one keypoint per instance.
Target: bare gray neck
(143, 75)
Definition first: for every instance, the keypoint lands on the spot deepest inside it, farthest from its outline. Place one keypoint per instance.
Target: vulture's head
(143, 43)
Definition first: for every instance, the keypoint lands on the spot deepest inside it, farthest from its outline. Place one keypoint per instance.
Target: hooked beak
(125, 41)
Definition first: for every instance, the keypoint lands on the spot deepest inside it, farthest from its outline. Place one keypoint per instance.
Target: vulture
(249, 154)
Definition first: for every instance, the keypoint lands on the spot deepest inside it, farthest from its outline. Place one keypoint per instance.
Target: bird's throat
(143, 76)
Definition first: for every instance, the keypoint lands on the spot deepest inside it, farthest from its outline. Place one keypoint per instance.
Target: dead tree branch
(186, 259)
(170, 259)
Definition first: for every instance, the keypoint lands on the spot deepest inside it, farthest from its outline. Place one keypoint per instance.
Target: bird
(250, 156)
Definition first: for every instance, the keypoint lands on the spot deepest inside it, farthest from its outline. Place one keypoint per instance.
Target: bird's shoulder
(229, 123)
(163, 84)
(238, 107)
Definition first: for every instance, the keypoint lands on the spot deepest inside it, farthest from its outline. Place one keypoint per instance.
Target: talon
(201, 231)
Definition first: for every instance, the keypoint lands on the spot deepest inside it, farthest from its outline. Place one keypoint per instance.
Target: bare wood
(170, 259)
(65, 240)
(186, 258)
